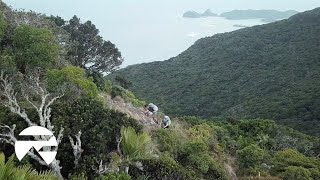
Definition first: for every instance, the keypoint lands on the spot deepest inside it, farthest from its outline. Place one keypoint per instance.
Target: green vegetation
(126, 95)
(123, 82)
(9, 172)
(134, 147)
(269, 71)
(88, 50)
(100, 128)
(3, 26)
(45, 81)
(34, 47)
(249, 158)
(73, 75)
(115, 176)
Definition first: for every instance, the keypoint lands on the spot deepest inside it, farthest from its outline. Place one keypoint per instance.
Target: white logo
(23, 147)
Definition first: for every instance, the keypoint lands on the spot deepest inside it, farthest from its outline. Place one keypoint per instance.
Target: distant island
(265, 15)
(193, 14)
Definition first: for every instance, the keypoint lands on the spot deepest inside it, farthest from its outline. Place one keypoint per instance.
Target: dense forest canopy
(270, 71)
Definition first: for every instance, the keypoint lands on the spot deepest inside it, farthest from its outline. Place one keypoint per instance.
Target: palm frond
(134, 146)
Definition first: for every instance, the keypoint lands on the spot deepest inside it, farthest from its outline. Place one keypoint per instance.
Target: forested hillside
(51, 75)
(270, 71)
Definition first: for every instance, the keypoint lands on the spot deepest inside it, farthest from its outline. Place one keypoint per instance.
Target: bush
(296, 173)
(291, 157)
(196, 155)
(202, 132)
(73, 75)
(315, 173)
(3, 26)
(123, 82)
(34, 47)
(100, 128)
(163, 168)
(250, 159)
(102, 83)
(216, 171)
(168, 140)
(115, 176)
(126, 95)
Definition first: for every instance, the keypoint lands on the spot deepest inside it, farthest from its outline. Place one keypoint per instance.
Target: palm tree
(9, 172)
(134, 147)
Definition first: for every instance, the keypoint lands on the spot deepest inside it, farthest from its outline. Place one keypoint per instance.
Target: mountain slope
(269, 71)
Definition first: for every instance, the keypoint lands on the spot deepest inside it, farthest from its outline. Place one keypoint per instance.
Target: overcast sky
(110, 16)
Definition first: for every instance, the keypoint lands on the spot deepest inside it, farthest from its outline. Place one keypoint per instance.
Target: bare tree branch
(103, 168)
(44, 113)
(11, 102)
(119, 140)
(76, 146)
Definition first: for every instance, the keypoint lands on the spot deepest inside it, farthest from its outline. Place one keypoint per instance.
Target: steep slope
(225, 143)
(269, 71)
(132, 111)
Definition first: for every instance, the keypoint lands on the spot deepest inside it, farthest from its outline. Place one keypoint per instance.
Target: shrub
(126, 95)
(3, 26)
(315, 173)
(216, 171)
(168, 140)
(73, 75)
(34, 47)
(250, 158)
(164, 168)
(100, 128)
(291, 157)
(202, 132)
(296, 173)
(114, 176)
(102, 83)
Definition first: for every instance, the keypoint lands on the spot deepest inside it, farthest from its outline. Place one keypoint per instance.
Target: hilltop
(269, 71)
(193, 14)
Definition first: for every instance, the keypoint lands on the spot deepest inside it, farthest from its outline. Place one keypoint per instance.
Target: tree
(264, 141)
(99, 126)
(133, 147)
(57, 20)
(74, 76)
(250, 159)
(88, 50)
(34, 47)
(123, 82)
(32, 90)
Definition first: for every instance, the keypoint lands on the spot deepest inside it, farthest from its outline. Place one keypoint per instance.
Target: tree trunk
(126, 169)
(56, 169)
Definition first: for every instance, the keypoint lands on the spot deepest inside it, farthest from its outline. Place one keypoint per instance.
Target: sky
(145, 30)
